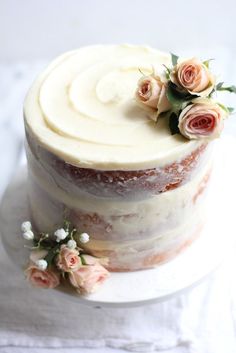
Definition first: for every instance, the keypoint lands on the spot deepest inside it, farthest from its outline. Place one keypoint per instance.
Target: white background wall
(32, 29)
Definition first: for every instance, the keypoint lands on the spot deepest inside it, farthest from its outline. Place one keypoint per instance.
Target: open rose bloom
(48, 278)
(89, 277)
(193, 76)
(42, 279)
(86, 277)
(151, 92)
(68, 259)
(202, 119)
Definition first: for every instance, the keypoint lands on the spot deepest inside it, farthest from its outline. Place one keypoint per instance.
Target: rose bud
(202, 119)
(151, 91)
(68, 259)
(193, 76)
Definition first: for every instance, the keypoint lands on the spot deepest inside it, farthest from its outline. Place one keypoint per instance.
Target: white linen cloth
(202, 320)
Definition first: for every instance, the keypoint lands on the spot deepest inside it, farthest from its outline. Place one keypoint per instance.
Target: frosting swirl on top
(82, 108)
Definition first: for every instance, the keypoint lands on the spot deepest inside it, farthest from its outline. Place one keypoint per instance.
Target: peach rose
(88, 278)
(42, 279)
(68, 259)
(193, 76)
(151, 91)
(202, 119)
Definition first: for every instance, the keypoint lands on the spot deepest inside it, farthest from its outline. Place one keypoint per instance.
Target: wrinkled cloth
(201, 320)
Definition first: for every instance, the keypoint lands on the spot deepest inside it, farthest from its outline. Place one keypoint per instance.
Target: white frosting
(82, 108)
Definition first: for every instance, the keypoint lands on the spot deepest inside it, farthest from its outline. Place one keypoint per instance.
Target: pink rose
(42, 279)
(151, 91)
(68, 259)
(203, 119)
(194, 76)
(88, 277)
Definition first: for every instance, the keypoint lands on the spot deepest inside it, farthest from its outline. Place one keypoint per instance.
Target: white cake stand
(147, 286)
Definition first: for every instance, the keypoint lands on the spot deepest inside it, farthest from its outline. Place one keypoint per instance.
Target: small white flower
(84, 238)
(41, 264)
(26, 226)
(28, 235)
(60, 234)
(71, 244)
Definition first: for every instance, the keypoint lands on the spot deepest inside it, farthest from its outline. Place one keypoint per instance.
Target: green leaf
(51, 254)
(177, 97)
(174, 59)
(174, 97)
(164, 115)
(66, 226)
(220, 87)
(173, 124)
(230, 110)
(63, 275)
(141, 72)
(35, 242)
(73, 233)
(83, 260)
(207, 62)
(168, 72)
(223, 107)
(231, 89)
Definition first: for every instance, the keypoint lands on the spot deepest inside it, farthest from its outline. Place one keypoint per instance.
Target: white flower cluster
(28, 234)
(26, 228)
(60, 234)
(84, 238)
(41, 264)
(71, 244)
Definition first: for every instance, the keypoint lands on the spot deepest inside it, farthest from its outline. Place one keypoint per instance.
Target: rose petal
(203, 119)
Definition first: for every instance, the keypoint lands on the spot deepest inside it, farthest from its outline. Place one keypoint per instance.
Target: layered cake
(97, 159)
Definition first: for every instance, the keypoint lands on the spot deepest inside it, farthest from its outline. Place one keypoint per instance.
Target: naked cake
(105, 152)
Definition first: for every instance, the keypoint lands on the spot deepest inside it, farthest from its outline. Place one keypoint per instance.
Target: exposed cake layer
(146, 254)
(129, 232)
(82, 109)
(128, 244)
(154, 212)
(119, 184)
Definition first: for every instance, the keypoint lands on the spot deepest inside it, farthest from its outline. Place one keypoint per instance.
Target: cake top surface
(83, 109)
